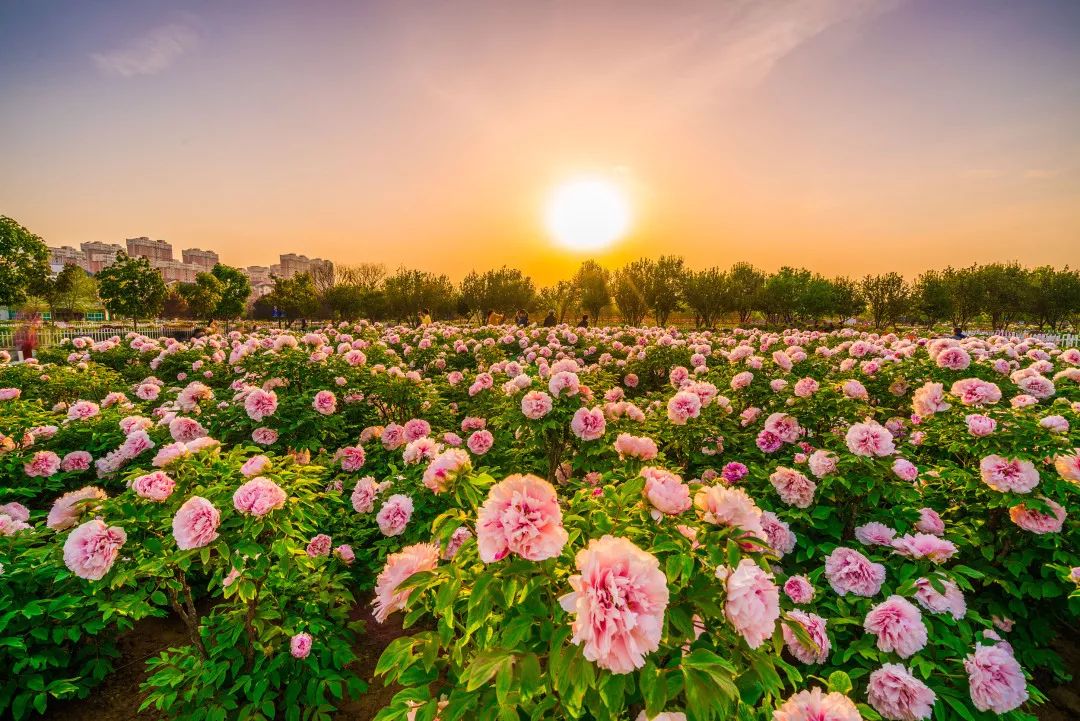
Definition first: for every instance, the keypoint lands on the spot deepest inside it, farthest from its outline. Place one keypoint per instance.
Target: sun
(587, 213)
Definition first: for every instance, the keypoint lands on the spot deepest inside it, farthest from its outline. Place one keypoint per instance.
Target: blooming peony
(898, 696)
(1004, 475)
(91, 549)
(898, 625)
(814, 626)
(156, 486)
(67, 509)
(995, 680)
(195, 524)
(300, 645)
(521, 515)
(399, 567)
(618, 601)
(870, 439)
(848, 571)
(395, 515)
(258, 497)
(794, 488)
(816, 705)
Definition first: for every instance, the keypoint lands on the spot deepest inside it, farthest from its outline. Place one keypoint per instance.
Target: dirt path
(118, 698)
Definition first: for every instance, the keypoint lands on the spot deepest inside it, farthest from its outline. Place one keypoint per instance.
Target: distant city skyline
(846, 136)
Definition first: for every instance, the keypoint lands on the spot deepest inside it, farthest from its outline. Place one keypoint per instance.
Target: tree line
(642, 291)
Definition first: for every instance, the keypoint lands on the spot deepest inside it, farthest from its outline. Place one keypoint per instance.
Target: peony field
(365, 520)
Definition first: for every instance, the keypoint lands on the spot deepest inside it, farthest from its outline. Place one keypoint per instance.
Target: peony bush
(563, 523)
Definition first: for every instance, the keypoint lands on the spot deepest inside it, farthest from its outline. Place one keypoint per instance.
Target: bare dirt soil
(118, 698)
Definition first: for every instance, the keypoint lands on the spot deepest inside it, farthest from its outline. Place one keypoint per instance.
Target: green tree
(132, 288)
(886, 298)
(781, 297)
(295, 297)
(233, 292)
(930, 298)
(504, 290)
(1055, 296)
(202, 296)
(24, 263)
(591, 282)
(705, 292)
(409, 289)
(745, 283)
(1006, 290)
(847, 301)
(664, 287)
(965, 293)
(73, 294)
(561, 298)
(628, 286)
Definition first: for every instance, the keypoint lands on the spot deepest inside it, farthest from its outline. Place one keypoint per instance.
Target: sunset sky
(844, 136)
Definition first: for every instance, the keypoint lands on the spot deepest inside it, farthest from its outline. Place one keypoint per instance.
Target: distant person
(584, 322)
(521, 318)
(425, 317)
(958, 334)
(494, 318)
(303, 325)
(549, 319)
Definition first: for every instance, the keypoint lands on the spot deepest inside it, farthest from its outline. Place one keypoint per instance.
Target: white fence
(52, 334)
(1061, 340)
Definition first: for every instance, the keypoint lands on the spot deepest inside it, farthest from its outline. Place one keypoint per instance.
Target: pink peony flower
(780, 536)
(156, 486)
(848, 571)
(521, 515)
(950, 600)
(264, 436)
(258, 497)
(752, 602)
(445, 468)
(589, 425)
(953, 358)
(995, 680)
(683, 406)
(42, 465)
(1004, 475)
(345, 553)
(535, 405)
(319, 545)
(255, 465)
(91, 549)
(76, 461)
(1068, 466)
(618, 600)
(169, 454)
(870, 439)
(930, 522)
(929, 399)
(195, 524)
(898, 625)
(665, 491)
(734, 472)
(639, 448)
(395, 515)
(905, 470)
(814, 626)
(300, 645)
(924, 545)
(325, 402)
(1039, 522)
(364, 493)
(874, 534)
(399, 567)
(352, 458)
(822, 463)
(68, 508)
(730, 507)
(816, 705)
(799, 589)
(898, 696)
(976, 392)
(480, 442)
(794, 488)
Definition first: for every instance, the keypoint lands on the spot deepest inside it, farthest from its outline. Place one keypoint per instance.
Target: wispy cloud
(150, 53)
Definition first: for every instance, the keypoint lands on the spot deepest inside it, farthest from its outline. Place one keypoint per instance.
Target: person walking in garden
(584, 322)
(521, 318)
(425, 317)
(549, 319)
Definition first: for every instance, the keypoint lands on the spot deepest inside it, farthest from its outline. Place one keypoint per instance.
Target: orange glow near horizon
(844, 137)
